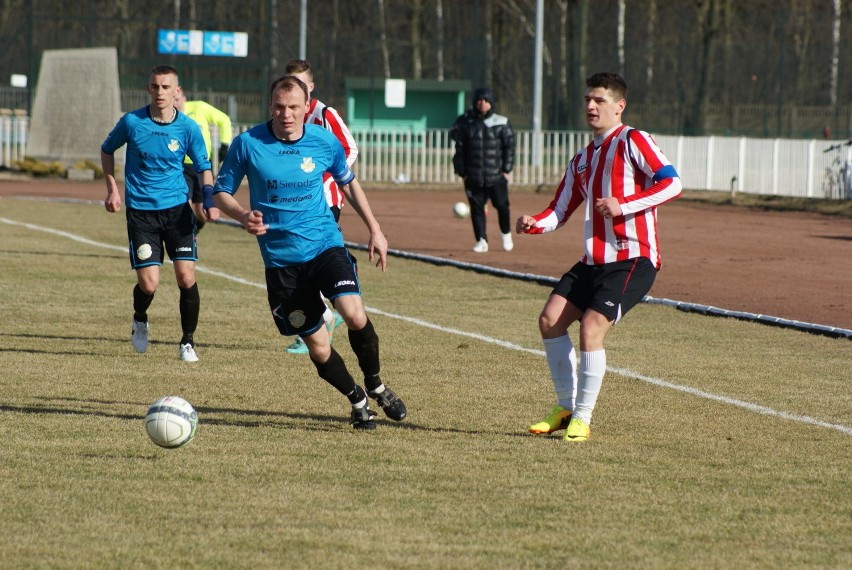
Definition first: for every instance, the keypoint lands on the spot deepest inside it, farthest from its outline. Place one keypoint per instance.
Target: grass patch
(276, 478)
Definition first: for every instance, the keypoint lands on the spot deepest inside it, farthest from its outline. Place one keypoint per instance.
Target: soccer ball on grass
(171, 422)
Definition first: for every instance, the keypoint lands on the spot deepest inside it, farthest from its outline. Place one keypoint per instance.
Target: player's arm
(252, 220)
(112, 202)
(646, 156)
(335, 124)
(211, 212)
(378, 244)
(223, 123)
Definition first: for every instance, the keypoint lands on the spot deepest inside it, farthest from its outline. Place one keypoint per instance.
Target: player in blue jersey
(301, 244)
(159, 217)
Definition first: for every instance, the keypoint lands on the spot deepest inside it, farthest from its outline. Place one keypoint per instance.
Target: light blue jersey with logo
(285, 184)
(153, 169)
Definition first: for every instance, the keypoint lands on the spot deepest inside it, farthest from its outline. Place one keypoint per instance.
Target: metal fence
(779, 167)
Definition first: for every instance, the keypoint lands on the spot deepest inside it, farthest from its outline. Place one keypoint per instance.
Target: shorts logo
(143, 252)
(174, 145)
(184, 249)
(297, 319)
(343, 283)
(308, 164)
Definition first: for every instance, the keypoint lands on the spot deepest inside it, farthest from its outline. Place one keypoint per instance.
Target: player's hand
(524, 224)
(112, 202)
(253, 221)
(212, 214)
(378, 247)
(608, 207)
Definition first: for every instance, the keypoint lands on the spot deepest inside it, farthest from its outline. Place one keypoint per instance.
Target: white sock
(562, 360)
(589, 379)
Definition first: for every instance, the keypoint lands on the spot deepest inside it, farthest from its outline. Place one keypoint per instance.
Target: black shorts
(611, 289)
(294, 291)
(149, 230)
(193, 186)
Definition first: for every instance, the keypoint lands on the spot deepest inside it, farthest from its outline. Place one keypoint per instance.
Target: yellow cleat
(558, 419)
(577, 431)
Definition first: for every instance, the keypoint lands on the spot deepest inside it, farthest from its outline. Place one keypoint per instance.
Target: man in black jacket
(485, 155)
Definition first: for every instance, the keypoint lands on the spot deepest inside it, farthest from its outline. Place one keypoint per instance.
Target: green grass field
(716, 443)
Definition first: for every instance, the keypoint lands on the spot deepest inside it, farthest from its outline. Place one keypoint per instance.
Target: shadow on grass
(126, 340)
(92, 407)
(58, 254)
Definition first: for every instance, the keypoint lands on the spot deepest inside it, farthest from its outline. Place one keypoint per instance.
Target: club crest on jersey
(174, 145)
(308, 165)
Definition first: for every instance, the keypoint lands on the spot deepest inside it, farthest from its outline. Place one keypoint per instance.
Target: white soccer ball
(461, 210)
(171, 422)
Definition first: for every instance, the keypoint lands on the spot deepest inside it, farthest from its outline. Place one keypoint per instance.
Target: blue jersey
(285, 184)
(153, 169)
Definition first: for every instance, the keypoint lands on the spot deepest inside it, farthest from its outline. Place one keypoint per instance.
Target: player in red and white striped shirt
(618, 180)
(327, 117)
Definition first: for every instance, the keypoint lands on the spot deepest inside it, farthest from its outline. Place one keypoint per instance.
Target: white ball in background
(461, 210)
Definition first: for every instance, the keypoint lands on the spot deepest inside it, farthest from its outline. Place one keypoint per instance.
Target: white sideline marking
(502, 343)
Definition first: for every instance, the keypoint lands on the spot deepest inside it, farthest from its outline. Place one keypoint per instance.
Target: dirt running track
(785, 264)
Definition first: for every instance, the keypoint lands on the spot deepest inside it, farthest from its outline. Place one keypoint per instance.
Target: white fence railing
(14, 128)
(781, 167)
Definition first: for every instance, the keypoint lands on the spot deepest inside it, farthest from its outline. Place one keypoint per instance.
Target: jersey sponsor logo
(344, 283)
(174, 145)
(289, 151)
(308, 164)
(279, 184)
(275, 199)
(143, 252)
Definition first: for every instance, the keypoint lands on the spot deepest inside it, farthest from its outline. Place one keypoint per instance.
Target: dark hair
(164, 70)
(298, 66)
(288, 83)
(610, 81)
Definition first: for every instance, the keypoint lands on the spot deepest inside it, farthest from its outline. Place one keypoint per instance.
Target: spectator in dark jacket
(484, 158)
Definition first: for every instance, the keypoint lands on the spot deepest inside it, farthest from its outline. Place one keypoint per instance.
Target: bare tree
(383, 39)
(620, 33)
(439, 25)
(649, 49)
(709, 19)
(835, 51)
(416, 58)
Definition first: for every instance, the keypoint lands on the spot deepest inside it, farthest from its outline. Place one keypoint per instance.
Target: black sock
(190, 303)
(141, 302)
(335, 373)
(365, 345)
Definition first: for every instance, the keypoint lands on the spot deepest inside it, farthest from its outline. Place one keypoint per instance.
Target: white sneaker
(481, 246)
(187, 353)
(508, 245)
(139, 336)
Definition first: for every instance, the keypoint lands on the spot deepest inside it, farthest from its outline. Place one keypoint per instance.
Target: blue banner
(196, 42)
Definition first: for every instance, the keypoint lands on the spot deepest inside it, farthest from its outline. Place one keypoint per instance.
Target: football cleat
(577, 431)
(557, 420)
(139, 335)
(186, 352)
(392, 405)
(362, 418)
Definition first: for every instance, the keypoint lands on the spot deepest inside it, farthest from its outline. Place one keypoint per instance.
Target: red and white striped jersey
(622, 165)
(327, 117)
